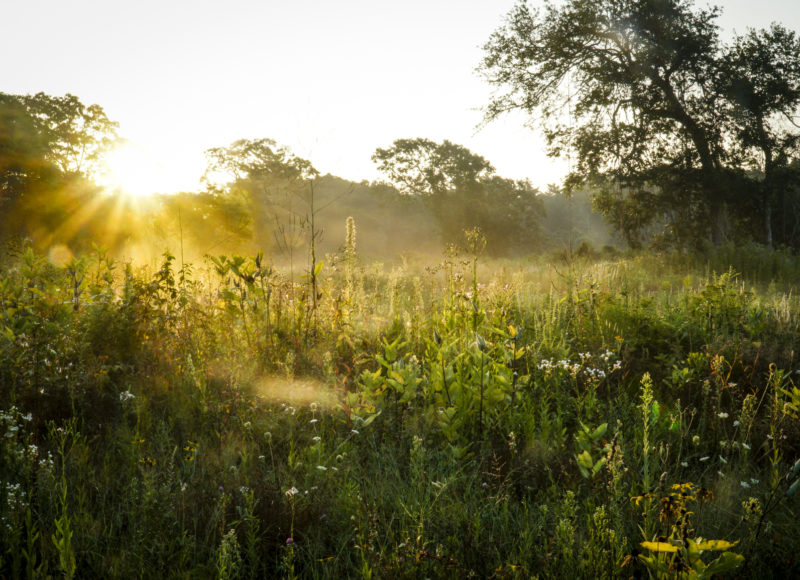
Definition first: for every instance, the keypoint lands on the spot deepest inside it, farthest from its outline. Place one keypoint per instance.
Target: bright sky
(332, 80)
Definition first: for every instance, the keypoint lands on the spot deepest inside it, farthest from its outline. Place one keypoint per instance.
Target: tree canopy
(656, 113)
(50, 148)
(462, 191)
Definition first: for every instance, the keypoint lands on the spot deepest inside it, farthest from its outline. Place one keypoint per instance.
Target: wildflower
(696, 440)
(736, 423)
(752, 508)
(316, 438)
(669, 508)
(684, 464)
(290, 493)
(746, 446)
(322, 468)
(744, 484)
(289, 541)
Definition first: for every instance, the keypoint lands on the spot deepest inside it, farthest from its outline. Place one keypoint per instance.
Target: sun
(139, 173)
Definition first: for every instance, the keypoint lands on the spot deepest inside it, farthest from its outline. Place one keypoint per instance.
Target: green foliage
(447, 423)
(683, 139)
(462, 191)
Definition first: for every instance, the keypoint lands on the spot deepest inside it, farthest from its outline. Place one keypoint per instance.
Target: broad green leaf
(726, 562)
(585, 460)
(600, 431)
(370, 419)
(717, 545)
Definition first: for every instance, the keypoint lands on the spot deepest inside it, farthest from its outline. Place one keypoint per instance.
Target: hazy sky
(333, 80)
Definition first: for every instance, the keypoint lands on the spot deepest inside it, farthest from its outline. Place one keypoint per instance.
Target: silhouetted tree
(647, 101)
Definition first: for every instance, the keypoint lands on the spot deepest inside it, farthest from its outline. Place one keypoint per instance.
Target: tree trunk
(768, 221)
(718, 215)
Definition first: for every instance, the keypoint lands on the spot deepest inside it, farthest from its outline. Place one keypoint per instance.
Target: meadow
(587, 415)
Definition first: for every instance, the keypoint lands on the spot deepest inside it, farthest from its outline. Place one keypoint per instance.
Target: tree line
(257, 194)
(679, 139)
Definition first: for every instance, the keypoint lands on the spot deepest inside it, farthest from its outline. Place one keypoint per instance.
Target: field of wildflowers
(594, 419)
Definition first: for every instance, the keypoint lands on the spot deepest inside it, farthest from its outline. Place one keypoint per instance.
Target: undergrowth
(466, 419)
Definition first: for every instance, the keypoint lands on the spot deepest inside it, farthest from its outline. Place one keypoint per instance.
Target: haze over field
(331, 80)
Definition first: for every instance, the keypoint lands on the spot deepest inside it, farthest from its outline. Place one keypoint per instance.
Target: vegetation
(677, 133)
(266, 398)
(468, 420)
(462, 191)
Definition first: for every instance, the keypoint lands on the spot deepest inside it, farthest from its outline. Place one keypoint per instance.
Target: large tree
(635, 92)
(77, 135)
(274, 183)
(761, 79)
(23, 150)
(49, 148)
(462, 191)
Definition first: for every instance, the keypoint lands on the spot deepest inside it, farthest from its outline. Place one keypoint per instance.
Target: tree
(461, 190)
(761, 79)
(48, 148)
(23, 151)
(279, 187)
(269, 179)
(429, 169)
(251, 160)
(634, 89)
(77, 135)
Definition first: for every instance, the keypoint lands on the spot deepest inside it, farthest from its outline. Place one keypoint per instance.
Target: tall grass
(463, 418)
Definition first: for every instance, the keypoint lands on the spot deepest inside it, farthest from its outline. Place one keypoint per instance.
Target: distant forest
(257, 195)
